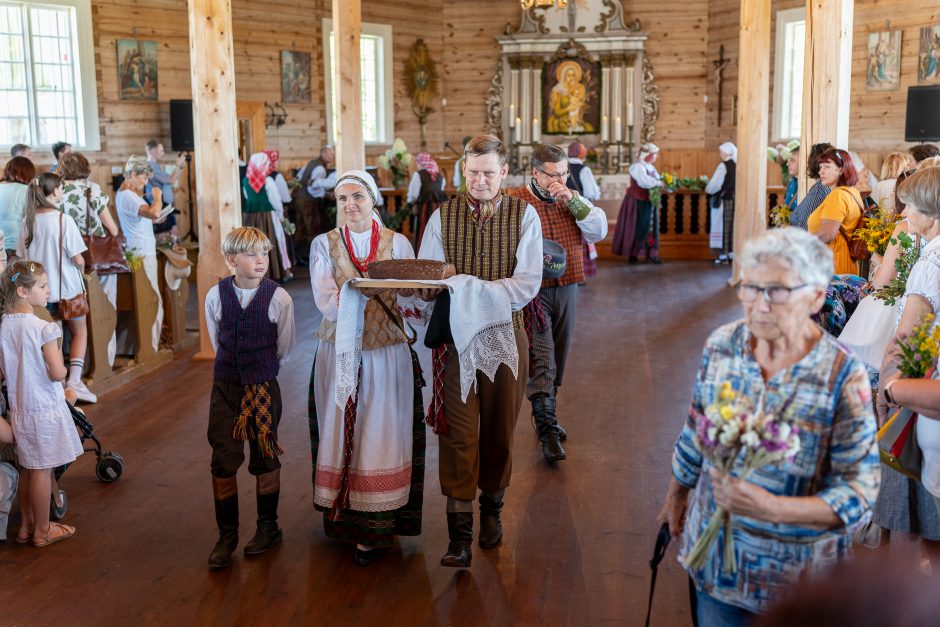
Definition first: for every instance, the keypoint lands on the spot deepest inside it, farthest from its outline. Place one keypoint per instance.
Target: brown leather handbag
(69, 309)
(105, 253)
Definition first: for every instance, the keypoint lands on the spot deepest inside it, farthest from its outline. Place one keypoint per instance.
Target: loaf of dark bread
(411, 270)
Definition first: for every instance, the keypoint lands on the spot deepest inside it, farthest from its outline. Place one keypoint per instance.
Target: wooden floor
(577, 537)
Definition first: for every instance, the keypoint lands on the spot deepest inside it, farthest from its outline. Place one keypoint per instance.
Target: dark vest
(574, 177)
(727, 188)
(558, 224)
(247, 338)
(431, 191)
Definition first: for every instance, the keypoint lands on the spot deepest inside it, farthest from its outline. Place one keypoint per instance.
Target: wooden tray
(396, 284)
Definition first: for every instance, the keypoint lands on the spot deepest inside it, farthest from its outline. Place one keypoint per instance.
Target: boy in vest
(250, 320)
(568, 218)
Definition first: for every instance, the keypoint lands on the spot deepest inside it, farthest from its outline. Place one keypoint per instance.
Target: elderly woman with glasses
(798, 516)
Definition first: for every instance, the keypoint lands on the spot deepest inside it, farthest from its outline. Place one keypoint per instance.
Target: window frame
(784, 18)
(386, 117)
(86, 88)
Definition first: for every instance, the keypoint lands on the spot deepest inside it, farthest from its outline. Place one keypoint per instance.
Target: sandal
(63, 532)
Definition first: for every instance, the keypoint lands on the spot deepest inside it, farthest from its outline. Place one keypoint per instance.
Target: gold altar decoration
(421, 84)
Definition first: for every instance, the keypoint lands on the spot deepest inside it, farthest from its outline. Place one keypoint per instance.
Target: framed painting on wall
(883, 72)
(928, 55)
(137, 69)
(295, 76)
(571, 103)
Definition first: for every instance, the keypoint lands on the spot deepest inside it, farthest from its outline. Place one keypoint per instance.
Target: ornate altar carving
(597, 36)
(421, 84)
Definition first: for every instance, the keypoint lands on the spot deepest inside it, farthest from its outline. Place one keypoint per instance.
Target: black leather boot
(460, 530)
(543, 408)
(268, 533)
(562, 434)
(226, 517)
(491, 527)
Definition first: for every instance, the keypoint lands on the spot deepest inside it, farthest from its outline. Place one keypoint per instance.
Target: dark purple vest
(247, 338)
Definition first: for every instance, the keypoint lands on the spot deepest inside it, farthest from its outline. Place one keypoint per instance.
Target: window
(47, 77)
(375, 48)
(788, 73)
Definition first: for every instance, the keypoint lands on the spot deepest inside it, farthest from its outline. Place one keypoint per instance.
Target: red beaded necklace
(363, 264)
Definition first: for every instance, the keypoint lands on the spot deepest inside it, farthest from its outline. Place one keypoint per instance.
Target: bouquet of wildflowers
(397, 160)
(919, 349)
(779, 154)
(732, 434)
(670, 182)
(695, 184)
(289, 227)
(908, 256)
(780, 216)
(876, 231)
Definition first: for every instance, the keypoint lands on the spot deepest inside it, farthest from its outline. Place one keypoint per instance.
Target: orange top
(842, 205)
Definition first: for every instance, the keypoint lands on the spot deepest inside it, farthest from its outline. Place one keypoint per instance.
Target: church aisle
(577, 537)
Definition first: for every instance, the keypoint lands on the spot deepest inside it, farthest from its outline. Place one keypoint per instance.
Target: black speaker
(181, 125)
(923, 123)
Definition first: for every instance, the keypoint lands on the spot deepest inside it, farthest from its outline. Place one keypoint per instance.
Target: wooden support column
(750, 196)
(347, 29)
(215, 127)
(827, 76)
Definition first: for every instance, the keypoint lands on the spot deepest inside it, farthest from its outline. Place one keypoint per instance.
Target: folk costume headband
(364, 180)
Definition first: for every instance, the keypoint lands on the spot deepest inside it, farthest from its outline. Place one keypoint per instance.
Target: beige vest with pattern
(379, 330)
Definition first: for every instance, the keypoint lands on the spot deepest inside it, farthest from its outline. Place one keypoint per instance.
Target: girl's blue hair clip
(15, 277)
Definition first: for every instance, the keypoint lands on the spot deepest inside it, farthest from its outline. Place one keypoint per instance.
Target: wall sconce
(274, 115)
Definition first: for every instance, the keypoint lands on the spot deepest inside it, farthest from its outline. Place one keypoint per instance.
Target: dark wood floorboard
(577, 537)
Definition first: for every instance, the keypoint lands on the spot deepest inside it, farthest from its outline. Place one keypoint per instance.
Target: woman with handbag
(53, 240)
(839, 214)
(83, 201)
(904, 506)
(369, 459)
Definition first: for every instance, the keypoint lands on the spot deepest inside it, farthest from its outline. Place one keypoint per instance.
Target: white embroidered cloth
(480, 321)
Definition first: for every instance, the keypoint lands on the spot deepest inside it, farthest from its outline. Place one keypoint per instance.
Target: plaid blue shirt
(814, 197)
(838, 462)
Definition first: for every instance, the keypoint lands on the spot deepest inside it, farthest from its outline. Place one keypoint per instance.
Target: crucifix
(720, 66)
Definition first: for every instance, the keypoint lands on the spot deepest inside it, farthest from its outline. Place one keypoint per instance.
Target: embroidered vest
(255, 202)
(558, 224)
(247, 338)
(378, 330)
(488, 250)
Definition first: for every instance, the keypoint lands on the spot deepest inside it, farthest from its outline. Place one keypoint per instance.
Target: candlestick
(518, 130)
(629, 114)
(536, 131)
(618, 131)
(512, 115)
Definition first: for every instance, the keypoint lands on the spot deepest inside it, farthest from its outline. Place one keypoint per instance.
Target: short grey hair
(138, 165)
(804, 254)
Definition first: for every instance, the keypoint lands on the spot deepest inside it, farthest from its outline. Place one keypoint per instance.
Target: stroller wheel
(56, 512)
(110, 467)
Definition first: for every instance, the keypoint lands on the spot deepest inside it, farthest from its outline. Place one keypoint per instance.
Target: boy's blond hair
(245, 239)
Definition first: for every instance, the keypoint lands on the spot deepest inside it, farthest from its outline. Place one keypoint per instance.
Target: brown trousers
(477, 449)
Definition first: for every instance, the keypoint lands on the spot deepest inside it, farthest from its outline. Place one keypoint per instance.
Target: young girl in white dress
(31, 363)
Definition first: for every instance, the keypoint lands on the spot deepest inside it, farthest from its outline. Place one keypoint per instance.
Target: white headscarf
(363, 180)
(646, 150)
(729, 149)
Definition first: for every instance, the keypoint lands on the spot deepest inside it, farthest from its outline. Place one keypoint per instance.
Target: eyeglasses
(775, 294)
(555, 177)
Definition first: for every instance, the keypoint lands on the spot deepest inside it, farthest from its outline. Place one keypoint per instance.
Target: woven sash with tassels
(255, 421)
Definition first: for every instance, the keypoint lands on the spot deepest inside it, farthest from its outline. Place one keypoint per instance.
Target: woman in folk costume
(369, 459)
(261, 195)
(279, 201)
(425, 192)
(637, 225)
(720, 191)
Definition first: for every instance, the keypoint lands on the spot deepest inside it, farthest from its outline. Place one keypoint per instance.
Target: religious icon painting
(571, 103)
(137, 69)
(884, 61)
(928, 55)
(295, 76)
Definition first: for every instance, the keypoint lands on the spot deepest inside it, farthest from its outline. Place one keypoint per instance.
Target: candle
(536, 131)
(629, 114)
(605, 135)
(518, 129)
(512, 115)
(618, 131)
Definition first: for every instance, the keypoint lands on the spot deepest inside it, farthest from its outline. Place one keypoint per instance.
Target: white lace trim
(490, 348)
(363, 506)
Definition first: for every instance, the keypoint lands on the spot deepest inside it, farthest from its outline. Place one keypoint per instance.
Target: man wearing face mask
(566, 217)
(498, 239)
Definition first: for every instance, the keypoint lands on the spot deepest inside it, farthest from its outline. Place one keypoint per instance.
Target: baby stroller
(110, 465)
